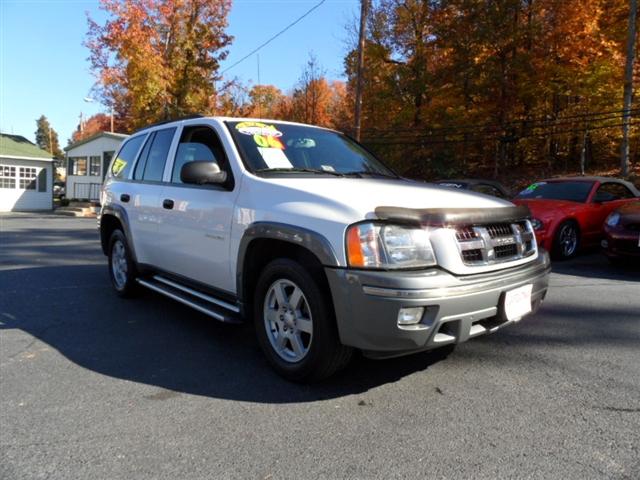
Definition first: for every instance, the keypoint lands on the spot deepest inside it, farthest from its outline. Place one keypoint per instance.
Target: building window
(7, 177)
(94, 166)
(27, 178)
(77, 165)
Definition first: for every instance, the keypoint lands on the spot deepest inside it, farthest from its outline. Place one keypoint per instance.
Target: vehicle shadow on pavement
(595, 265)
(156, 341)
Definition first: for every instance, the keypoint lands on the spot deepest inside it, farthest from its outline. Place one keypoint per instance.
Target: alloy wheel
(288, 321)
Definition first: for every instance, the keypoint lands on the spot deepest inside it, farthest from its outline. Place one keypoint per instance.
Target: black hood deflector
(453, 216)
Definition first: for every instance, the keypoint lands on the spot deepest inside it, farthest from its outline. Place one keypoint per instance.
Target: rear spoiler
(454, 216)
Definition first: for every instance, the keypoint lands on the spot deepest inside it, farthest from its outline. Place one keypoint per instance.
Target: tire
(301, 340)
(122, 269)
(566, 241)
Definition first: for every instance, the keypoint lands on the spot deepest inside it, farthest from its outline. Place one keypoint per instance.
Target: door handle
(167, 203)
(125, 197)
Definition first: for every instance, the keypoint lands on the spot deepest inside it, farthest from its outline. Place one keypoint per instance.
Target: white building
(87, 163)
(26, 175)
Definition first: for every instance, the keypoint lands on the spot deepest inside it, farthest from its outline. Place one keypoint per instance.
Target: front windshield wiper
(296, 170)
(369, 174)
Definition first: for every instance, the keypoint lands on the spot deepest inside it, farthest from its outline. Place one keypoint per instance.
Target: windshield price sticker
(265, 136)
(274, 158)
(258, 128)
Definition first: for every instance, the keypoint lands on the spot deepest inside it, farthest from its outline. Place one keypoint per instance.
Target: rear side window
(198, 143)
(122, 164)
(608, 192)
(154, 156)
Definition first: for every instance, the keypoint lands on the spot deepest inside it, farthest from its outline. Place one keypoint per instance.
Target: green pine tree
(47, 138)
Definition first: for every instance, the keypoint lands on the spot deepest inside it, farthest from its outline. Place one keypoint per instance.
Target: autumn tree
(492, 85)
(158, 59)
(97, 123)
(312, 95)
(267, 101)
(47, 138)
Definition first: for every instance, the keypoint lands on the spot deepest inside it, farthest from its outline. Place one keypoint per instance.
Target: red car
(569, 213)
(622, 233)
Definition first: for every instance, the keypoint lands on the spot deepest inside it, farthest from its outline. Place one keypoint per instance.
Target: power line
(530, 123)
(474, 138)
(298, 20)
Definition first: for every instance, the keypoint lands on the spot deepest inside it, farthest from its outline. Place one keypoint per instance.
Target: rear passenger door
(147, 185)
(195, 220)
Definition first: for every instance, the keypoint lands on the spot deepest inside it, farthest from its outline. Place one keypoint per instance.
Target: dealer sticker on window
(517, 302)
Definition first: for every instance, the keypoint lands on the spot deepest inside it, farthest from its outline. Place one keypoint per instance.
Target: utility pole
(628, 87)
(364, 13)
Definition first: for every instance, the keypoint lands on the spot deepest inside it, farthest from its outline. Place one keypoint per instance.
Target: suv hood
(360, 196)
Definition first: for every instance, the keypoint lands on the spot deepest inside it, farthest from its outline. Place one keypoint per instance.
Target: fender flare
(120, 213)
(315, 242)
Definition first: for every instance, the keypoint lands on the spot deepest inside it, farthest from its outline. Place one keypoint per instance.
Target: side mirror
(202, 173)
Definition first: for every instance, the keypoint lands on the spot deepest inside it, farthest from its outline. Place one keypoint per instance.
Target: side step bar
(213, 307)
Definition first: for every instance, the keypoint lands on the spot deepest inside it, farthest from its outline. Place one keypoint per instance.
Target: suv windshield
(571, 191)
(269, 147)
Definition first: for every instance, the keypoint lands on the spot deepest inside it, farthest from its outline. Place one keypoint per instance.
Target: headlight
(371, 245)
(613, 219)
(536, 224)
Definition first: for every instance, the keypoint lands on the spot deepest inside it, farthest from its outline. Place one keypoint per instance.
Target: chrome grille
(495, 243)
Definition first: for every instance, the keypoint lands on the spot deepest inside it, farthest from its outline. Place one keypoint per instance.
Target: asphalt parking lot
(96, 387)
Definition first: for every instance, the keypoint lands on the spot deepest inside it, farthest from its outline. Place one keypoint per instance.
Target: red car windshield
(569, 191)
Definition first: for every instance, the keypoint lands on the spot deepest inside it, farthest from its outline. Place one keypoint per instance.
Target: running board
(213, 307)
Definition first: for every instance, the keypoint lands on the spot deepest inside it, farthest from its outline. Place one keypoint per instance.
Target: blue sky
(43, 66)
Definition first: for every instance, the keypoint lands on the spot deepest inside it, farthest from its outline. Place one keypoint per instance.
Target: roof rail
(170, 120)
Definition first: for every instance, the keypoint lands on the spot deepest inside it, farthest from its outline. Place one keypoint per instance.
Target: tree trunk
(628, 88)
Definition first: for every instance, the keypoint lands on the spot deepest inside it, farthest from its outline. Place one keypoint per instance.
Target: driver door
(195, 224)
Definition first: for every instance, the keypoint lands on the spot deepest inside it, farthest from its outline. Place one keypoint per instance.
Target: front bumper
(457, 308)
(621, 243)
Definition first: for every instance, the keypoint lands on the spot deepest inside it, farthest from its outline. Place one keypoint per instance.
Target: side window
(157, 155)
(608, 192)
(198, 143)
(127, 154)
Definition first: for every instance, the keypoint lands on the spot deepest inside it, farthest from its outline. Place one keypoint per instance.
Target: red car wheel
(566, 240)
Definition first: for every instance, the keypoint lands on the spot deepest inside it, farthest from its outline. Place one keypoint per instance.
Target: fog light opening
(410, 316)
(604, 244)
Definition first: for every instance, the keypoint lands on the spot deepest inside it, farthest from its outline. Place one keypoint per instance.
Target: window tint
(127, 154)
(571, 191)
(142, 159)
(157, 156)
(608, 192)
(201, 144)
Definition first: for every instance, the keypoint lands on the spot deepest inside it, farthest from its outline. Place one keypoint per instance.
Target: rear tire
(122, 269)
(295, 324)
(566, 241)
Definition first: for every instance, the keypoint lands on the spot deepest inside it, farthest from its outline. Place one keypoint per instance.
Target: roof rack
(170, 120)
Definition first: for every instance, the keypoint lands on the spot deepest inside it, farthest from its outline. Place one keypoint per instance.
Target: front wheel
(295, 324)
(566, 241)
